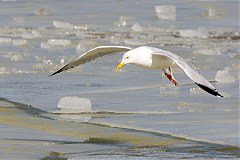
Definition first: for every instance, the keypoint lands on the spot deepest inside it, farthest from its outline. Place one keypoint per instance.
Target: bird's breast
(161, 62)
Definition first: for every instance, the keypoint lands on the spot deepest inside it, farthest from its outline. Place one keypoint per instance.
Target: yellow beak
(120, 65)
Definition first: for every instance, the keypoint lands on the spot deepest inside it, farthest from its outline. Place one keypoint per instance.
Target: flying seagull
(149, 58)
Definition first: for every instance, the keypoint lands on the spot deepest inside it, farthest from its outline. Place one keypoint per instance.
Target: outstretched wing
(189, 70)
(92, 54)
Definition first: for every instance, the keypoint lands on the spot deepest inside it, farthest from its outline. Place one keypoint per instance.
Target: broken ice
(56, 43)
(65, 25)
(84, 46)
(19, 42)
(30, 35)
(166, 12)
(3, 70)
(199, 33)
(5, 41)
(224, 76)
(75, 104)
(207, 52)
(137, 28)
(125, 21)
(42, 12)
(13, 56)
(168, 89)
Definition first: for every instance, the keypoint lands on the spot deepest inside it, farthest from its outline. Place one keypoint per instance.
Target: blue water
(157, 105)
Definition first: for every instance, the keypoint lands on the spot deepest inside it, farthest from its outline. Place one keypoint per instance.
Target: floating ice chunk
(196, 90)
(42, 12)
(47, 62)
(64, 25)
(19, 19)
(45, 45)
(116, 40)
(169, 89)
(137, 28)
(19, 42)
(211, 12)
(3, 70)
(134, 42)
(166, 12)
(5, 41)
(56, 43)
(75, 104)
(223, 76)
(84, 46)
(62, 61)
(125, 21)
(31, 35)
(59, 42)
(13, 56)
(207, 52)
(199, 33)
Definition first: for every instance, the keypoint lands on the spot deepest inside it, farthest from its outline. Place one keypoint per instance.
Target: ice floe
(84, 46)
(224, 76)
(56, 43)
(137, 28)
(74, 104)
(3, 70)
(134, 42)
(19, 19)
(42, 12)
(207, 52)
(13, 56)
(168, 89)
(30, 35)
(65, 25)
(125, 21)
(5, 41)
(190, 33)
(166, 12)
(19, 42)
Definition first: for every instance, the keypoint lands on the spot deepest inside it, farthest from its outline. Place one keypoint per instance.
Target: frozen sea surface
(37, 38)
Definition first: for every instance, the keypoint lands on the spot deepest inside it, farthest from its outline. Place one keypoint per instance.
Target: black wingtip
(209, 90)
(54, 73)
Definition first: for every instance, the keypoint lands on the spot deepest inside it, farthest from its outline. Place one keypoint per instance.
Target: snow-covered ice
(3, 70)
(137, 28)
(13, 56)
(85, 45)
(56, 43)
(198, 33)
(166, 12)
(42, 12)
(134, 42)
(207, 52)
(65, 25)
(125, 21)
(31, 35)
(19, 42)
(5, 41)
(74, 104)
(224, 76)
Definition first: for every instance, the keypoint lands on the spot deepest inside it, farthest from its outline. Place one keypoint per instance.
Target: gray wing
(189, 70)
(92, 54)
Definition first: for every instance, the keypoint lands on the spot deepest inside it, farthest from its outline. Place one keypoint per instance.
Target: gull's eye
(127, 57)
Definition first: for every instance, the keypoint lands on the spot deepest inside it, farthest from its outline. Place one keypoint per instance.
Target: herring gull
(146, 57)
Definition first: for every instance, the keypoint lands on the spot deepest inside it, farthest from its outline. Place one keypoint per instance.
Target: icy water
(134, 114)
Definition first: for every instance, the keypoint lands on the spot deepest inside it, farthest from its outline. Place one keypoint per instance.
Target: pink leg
(170, 76)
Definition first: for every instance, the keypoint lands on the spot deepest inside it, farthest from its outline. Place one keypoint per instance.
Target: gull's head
(139, 56)
(128, 58)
